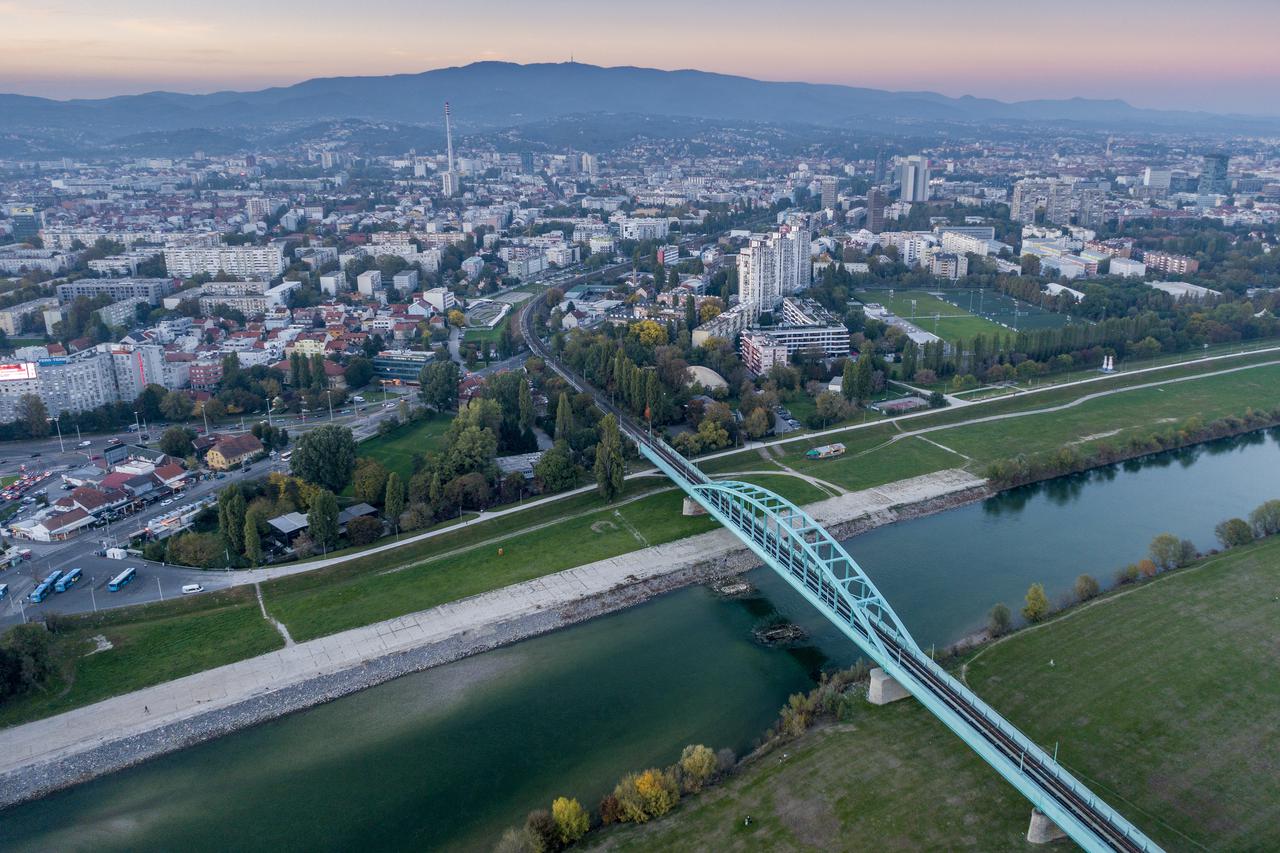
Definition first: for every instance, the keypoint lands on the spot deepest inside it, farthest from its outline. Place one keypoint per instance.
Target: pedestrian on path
(146, 710)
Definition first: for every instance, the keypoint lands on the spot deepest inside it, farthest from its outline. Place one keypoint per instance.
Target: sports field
(931, 313)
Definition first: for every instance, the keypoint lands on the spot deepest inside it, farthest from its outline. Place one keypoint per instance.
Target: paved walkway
(75, 731)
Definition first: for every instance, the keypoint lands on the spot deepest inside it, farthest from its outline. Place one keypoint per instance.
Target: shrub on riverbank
(1023, 469)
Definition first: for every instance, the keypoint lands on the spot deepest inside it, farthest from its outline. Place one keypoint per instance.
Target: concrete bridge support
(883, 689)
(1042, 830)
(692, 507)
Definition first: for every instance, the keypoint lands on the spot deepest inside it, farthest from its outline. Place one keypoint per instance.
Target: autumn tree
(1086, 587)
(33, 414)
(697, 766)
(571, 819)
(370, 481)
(1265, 519)
(1037, 604)
(1233, 532)
(1166, 551)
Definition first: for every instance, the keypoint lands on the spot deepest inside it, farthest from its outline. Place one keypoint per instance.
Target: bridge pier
(884, 689)
(1042, 830)
(692, 507)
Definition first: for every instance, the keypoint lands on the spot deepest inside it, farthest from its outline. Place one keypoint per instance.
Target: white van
(188, 588)
(358, 399)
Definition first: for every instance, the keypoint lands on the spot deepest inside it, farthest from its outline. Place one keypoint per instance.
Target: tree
(1086, 588)
(1265, 519)
(555, 470)
(176, 406)
(457, 318)
(1037, 605)
(697, 766)
(541, 830)
(176, 442)
(358, 373)
(1233, 532)
(438, 385)
(572, 820)
(650, 333)
(1166, 551)
(393, 501)
(999, 620)
(252, 541)
(608, 467)
(322, 519)
(756, 424)
(33, 414)
(325, 456)
(848, 379)
(525, 402)
(830, 407)
(231, 513)
(564, 418)
(363, 529)
(658, 792)
(862, 378)
(370, 481)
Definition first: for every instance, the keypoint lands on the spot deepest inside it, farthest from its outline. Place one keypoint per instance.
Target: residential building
(913, 178)
(368, 282)
(150, 289)
(245, 261)
(772, 266)
(230, 451)
(1213, 175)
(1167, 262)
(876, 199)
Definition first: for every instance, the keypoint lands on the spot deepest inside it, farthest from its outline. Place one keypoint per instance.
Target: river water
(448, 757)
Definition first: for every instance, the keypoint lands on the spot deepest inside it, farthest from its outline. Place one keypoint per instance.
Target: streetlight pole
(159, 587)
(137, 425)
(93, 596)
(329, 393)
(58, 422)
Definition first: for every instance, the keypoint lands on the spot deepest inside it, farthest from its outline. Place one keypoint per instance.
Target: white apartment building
(369, 281)
(772, 266)
(644, 228)
(247, 261)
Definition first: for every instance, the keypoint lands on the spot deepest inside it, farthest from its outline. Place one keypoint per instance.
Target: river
(448, 757)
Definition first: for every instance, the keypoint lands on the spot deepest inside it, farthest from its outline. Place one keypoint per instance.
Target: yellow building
(232, 451)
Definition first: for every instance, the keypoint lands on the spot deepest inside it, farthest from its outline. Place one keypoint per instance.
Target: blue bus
(117, 583)
(64, 583)
(41, 592)
(4, 590)
(53, 577)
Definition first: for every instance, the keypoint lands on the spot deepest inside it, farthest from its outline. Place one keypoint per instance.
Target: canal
(448, 757)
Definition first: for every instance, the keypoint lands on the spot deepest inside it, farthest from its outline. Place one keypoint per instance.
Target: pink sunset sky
(1218, 56)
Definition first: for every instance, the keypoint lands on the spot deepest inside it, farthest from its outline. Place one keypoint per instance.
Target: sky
(1175, 54)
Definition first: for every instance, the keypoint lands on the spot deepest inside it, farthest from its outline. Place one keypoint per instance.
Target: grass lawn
(150, 644)
(952, 323)
(396, 450)
(6, 480)
(312, 605)
(1162, 698)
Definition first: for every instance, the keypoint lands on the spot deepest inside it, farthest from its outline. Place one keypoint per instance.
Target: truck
(826, 451)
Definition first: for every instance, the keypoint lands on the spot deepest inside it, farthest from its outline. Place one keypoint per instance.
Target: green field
(932, 314)
(1162, 697)
(397, 449)
(150, 645)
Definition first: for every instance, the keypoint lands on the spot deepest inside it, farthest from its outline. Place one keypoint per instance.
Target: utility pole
(159, 587)
(58, 422)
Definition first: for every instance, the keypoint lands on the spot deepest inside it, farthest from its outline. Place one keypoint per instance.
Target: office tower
(878, 174)
(26, 222)
(913, 178)
(828, 184)
(526, 162)
(772, 266)
(1213, 175)
(449, 180)
(1157, 181)
(875, 209)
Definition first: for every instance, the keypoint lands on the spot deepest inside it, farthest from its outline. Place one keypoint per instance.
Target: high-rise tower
(449, 181)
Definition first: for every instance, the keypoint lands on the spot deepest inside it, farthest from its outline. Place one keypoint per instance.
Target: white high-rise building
(913, 177)
(772, 266)
(244, 261)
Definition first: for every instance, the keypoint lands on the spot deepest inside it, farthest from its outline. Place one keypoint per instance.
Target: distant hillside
(500, 94)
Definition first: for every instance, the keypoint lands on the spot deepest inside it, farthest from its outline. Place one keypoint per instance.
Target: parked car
(85, 443)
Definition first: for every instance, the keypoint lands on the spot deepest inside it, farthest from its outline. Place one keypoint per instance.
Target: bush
(540, 829)
(1266, 519)
(363, 530)
(610, 810)
(571, 819)
(1166, 551)
(697, 766)
(646, 795)
(1129, 574)
(1037, 605)
(1233, 532)
(1147, 568)
(1086, 588)
(514, 841)
(999, 620)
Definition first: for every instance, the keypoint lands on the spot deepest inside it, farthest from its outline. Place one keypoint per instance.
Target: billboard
(21, 370)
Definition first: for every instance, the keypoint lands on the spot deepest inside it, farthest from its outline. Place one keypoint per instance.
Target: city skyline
(1150, 56)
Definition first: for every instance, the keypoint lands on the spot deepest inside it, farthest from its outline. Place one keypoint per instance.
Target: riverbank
(1168, 732)
(45, 755)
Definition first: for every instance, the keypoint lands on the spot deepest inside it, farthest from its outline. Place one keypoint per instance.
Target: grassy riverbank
(1162, 697)
(577, 529)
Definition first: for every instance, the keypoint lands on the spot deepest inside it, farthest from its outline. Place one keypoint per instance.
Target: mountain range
(503, 94)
